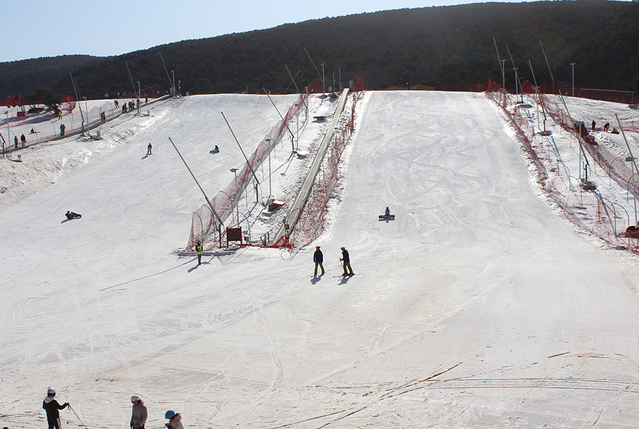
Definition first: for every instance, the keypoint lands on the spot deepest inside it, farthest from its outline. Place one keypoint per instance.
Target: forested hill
(451, 45)
(27, 76)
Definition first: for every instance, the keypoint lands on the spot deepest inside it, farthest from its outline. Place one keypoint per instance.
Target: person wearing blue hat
(175, 420)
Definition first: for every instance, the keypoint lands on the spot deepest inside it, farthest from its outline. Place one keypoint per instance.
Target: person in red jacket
(52, 408)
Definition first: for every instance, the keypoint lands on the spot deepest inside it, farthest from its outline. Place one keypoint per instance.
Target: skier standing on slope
(175, 420)
(347, 263)
(138, 413)
(52, 408)
(318, 258)
(199, 250)
(148, 150)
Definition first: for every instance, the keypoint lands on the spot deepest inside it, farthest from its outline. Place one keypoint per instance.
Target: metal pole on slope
(296, 87)
(309, 57)
(238, 143)
(8, 142)
(516, 76)
(198, 183)
(549, 70)
(77, 97)
(167, 74)
(131, 77)
(76, 414)
(582, 151)
(501, 66)
(285, 124)
(544, 132)
(634, 164)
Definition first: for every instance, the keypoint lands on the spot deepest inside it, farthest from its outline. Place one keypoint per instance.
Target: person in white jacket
(138, 413)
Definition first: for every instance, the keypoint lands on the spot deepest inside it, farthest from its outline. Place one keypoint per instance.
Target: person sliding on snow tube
(71, 215)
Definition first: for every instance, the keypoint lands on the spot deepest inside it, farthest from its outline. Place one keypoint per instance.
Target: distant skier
(387, 212)
(199, 250)
(607, 126)
(62, 127)
(593, 124)
(52, 408)
(71, 215)
(318, 258)
(148, 150)
(175, 420)
(347, 263)
(23, 140)
(138, 413)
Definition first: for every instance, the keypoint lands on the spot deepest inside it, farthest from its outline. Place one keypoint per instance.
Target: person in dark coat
(347, 263)
(138, 413)
(318, 258)
(52, 408)
(72, 215)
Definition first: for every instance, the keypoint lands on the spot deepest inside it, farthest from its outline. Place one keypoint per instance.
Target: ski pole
(76, 414)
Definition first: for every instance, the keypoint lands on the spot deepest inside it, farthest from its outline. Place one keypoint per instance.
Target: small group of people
(606, 128)
(127, 107)
(318, 258)
(139, 413)
(23, 139)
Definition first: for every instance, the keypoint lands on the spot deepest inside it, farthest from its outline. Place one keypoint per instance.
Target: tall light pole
(268, 139)
(8, 135)
(323, 79)
(572, 65)
(503, 75)
(237, 200)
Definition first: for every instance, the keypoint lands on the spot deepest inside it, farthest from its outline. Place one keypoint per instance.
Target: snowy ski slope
(478, 306)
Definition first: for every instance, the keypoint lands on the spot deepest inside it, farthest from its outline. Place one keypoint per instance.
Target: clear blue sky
(47, 28)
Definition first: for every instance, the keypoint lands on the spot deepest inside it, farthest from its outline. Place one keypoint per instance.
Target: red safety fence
(311, 222)
(605, 221)
(205, 226)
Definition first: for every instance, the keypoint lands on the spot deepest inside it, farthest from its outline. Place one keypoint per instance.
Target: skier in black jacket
(347, 263)
(52, 407)
(318, 258)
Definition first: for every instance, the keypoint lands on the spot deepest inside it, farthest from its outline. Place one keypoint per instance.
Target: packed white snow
(479, 305)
